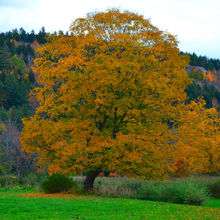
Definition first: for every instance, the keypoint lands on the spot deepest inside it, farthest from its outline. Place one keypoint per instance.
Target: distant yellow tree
(110, 97)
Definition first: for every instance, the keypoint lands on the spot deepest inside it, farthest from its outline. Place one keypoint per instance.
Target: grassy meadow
(31, 206)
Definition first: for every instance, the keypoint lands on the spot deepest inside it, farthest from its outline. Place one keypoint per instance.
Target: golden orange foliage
(211, 76)
(198, 140)
(112, 98)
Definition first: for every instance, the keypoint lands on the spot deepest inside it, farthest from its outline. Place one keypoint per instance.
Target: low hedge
(183, 192)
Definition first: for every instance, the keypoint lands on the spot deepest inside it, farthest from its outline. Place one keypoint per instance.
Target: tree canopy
(111, 98)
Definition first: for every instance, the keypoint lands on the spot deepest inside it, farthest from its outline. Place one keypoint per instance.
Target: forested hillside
(18, 78)
(17, 51)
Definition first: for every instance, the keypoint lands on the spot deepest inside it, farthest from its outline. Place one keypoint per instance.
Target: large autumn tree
(109, 99)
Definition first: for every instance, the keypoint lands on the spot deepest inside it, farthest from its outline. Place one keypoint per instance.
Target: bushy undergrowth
(211, 182)
(183, 192)
(17, 189)
(33, 179)
(214, 188)
(8, 181)
(117, 187)
(28, 180)
(57, 183)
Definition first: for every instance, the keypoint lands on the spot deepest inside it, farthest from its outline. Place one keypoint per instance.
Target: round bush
(57, 183)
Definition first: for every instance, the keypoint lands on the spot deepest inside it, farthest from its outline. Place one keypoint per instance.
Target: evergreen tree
(31, 76)
(5, 57)
(41, 36)
(31, 37)
(23, 35)
(15, 35)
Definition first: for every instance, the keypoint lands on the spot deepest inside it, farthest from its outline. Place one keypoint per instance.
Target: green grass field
(15, 206)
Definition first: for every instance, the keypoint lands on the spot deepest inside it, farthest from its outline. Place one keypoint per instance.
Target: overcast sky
(196, 23)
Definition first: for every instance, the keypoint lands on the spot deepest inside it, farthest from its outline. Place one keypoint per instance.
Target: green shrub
(214, 188)
(183, 192)
(212, 183)
(57, 183)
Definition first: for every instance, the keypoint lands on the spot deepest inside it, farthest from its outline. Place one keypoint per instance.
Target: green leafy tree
(18, 65)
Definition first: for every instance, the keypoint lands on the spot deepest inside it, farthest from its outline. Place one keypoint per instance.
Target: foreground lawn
(215, 203)
(15, 206)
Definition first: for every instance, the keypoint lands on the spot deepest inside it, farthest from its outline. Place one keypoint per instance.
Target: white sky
(195, 22)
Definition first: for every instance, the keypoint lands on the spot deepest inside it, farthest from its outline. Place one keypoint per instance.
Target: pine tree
(5, 57)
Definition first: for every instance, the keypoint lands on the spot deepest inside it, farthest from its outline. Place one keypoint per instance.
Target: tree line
(24, 36)
(204, 61)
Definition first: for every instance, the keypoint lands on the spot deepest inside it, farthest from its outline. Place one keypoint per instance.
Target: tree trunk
(89, 181)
